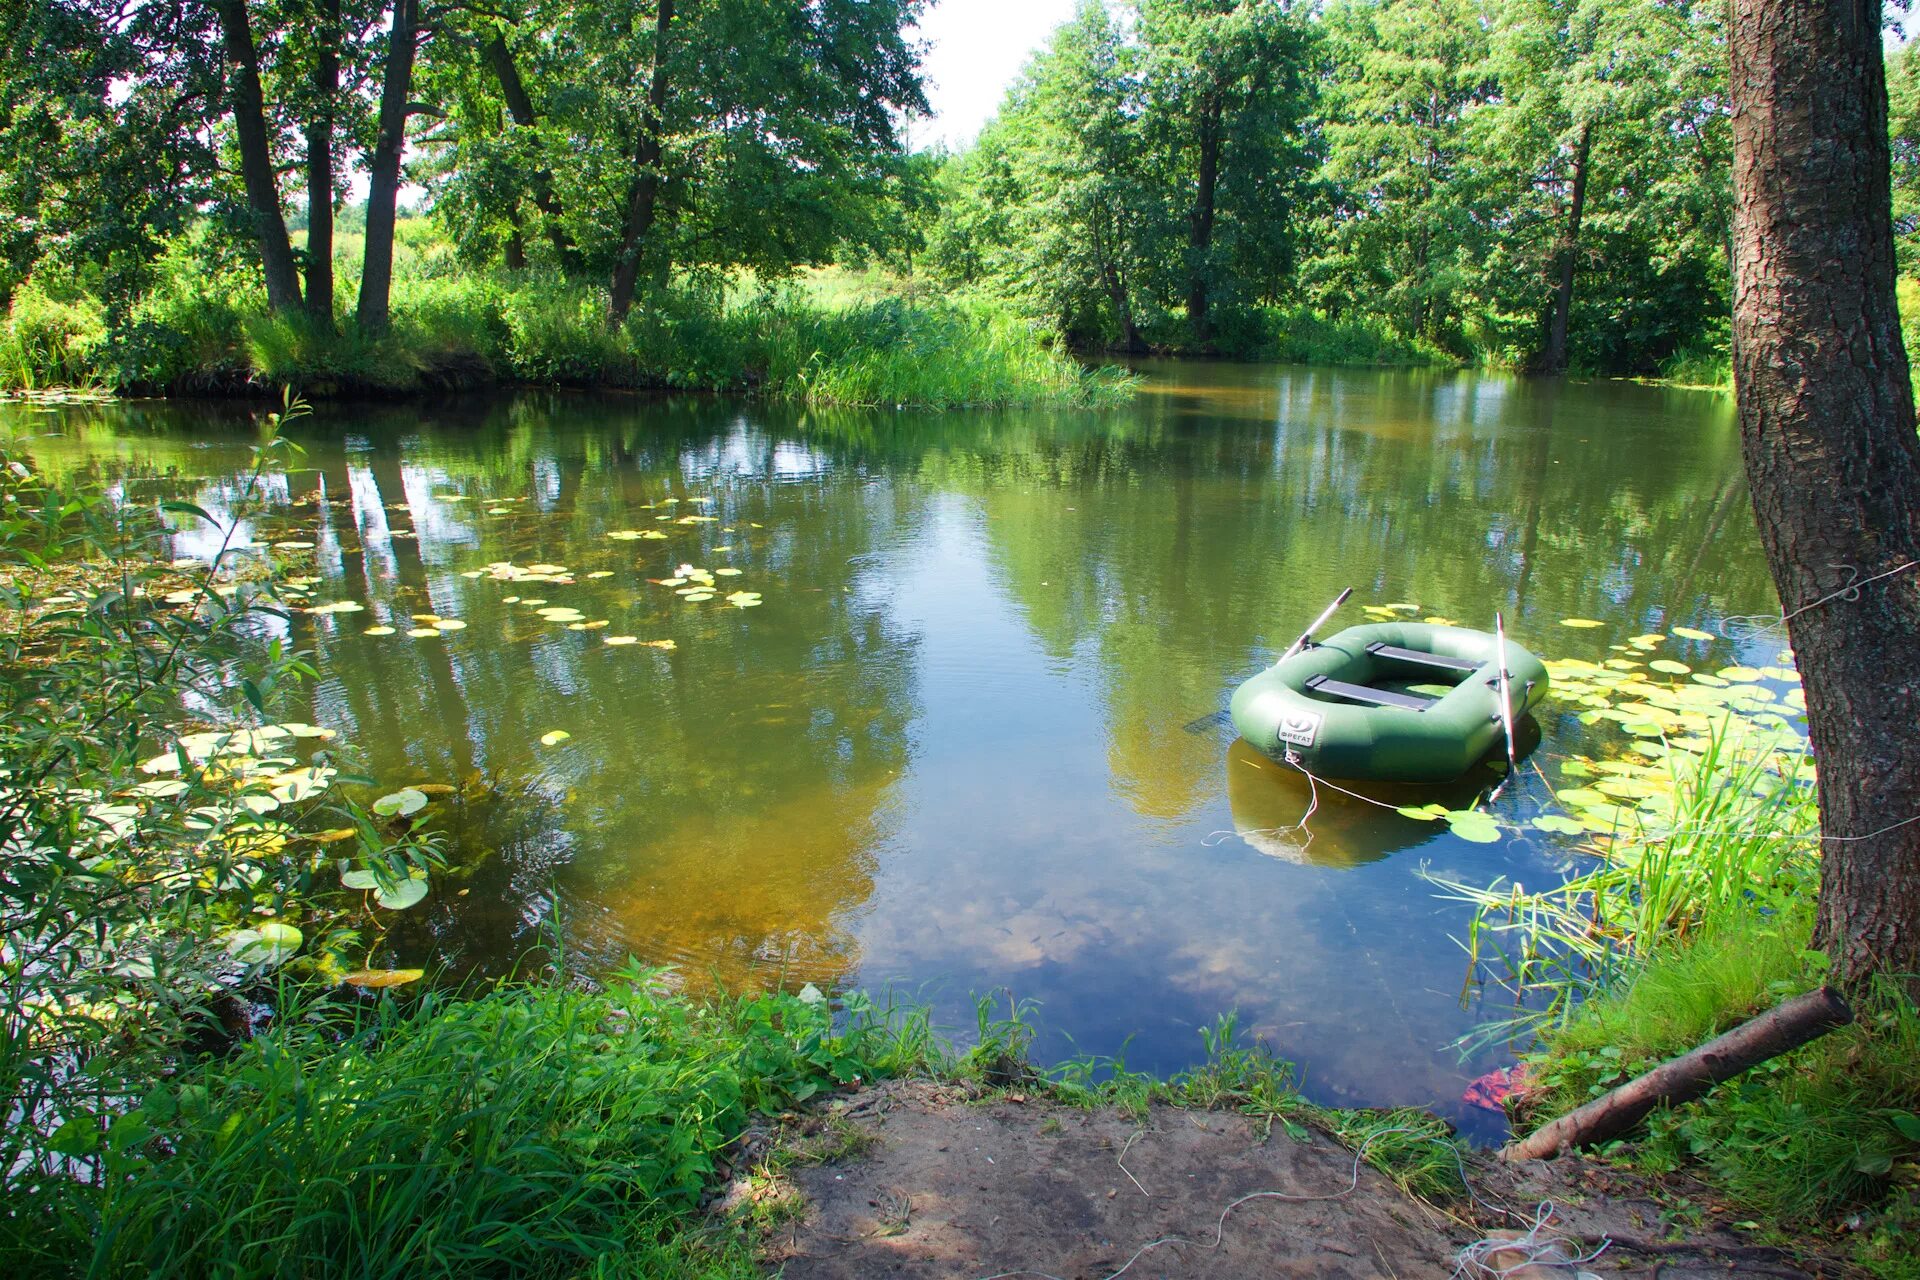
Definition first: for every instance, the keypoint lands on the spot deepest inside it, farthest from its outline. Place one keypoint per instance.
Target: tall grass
(1739, 836)
(1676, 938)
(534, 1131)
(844, 343)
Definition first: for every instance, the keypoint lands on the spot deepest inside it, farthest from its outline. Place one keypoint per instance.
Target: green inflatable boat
(1406, 701)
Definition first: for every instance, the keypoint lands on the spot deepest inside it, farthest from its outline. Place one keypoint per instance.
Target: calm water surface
(970, 740)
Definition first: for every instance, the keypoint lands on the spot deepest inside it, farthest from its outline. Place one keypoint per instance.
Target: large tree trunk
(1200, 220)
(1827, 427)
(644, 200)
(326, 91)
(520, 109)
(256, 158)
(383, 184)
(1554, 359)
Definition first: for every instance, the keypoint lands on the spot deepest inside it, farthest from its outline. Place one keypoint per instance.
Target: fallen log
(1682, 1079)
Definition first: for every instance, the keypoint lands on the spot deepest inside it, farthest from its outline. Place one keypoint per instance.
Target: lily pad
(363, 879)
(1692, 633)
(1425, 813)
(554, 737)
(272, 943)
(1558, 825)
(400, 804)
(1579, 623)
(403, 895)
(377, 631)
(1472, 825)
(380, 979)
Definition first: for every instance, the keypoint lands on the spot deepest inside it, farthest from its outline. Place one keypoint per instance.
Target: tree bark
(256, 157)
(1200, 220)
(1682, 1079)
(383, 185)
(1554, 359)
(520, 109)
(644, 198)
(1827, 429)
(326, 91)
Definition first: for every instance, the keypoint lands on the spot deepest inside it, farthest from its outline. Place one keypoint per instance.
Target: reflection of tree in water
(717, 805)
(1268, 495)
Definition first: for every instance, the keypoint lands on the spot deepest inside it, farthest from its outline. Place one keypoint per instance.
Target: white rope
(1747, 626)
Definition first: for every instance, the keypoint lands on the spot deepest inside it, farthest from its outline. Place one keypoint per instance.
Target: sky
(979, 46)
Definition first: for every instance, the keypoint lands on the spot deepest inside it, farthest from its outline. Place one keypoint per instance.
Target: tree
(1227, 102)
(247, 105)
(383, 169)
(1827, 428)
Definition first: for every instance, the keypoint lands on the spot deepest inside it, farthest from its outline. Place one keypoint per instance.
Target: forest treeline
(1538, 184)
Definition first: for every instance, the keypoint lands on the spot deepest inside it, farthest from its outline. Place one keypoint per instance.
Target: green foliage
(849, 343)
(151, 872)
(532, 1131)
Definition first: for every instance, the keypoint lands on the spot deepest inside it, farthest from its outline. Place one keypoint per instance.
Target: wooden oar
(1306, 637)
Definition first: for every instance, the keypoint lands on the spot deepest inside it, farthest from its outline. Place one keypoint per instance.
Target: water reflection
(953, 749)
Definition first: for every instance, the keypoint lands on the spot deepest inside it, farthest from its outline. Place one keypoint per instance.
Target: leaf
(1579, 623)
(400, 804)
(1691, 633)
(1670, 667)
(363, 879)
(1472, 825)
(377, 631)
(1558, 825)
(1424, 813)
(554, 737)
(403, 895)
(380, 979)
(1908, 1125)
(272, 943)
(188, 509)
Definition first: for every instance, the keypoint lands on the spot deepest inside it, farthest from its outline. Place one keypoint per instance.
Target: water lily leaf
(1739, 675)
(1692, 633)
(1558, 825)
(333, 835)
(1580, 623)
(449, 624)
(403, 895)
(554, 737)
(1423, 813)
(1576, 769)
(161, 789)
(423, 633)
(400, 804)
(359, 880)
(377, 631)
(698, 596)
(601, 573)
(614, 641)
(380, 979)
(1471, 824)
(272, 943)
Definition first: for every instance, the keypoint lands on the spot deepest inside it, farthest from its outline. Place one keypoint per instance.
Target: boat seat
(1381, 649)
(1372, 697)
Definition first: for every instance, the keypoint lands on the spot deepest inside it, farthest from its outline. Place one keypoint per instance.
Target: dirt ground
(934, 1184)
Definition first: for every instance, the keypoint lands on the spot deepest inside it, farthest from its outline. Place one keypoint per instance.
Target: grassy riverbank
(202, 330)
(1677, 937)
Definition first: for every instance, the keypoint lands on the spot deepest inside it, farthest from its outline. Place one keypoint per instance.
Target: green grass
(534, 1131)
(1677, 939)
(826, 339)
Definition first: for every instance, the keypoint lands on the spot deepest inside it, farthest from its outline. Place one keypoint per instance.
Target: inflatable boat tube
(1406, 701)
